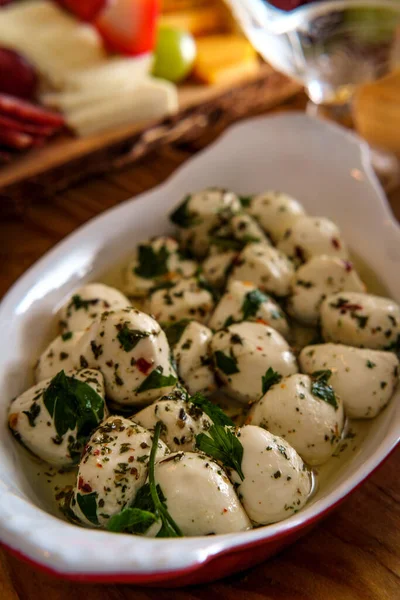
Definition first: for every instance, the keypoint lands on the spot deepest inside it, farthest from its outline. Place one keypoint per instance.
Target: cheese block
(222, 59)
(198, 21)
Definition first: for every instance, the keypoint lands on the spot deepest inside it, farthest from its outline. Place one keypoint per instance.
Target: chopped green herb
(370, 364)
(245, 201)
(321, 389)
(229, 321)
(77, 303)
(227, 364)
(88, 505)
(152, 263)
(66, 336)
(174, 331)
(129, 338)
(270, 378)
(222, 444)
(182, 217)
(32, 413)
(212, 410)
(305, 284)
(156, 380)
(252, 302)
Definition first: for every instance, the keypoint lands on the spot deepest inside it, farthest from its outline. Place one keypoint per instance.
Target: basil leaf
(73, 403)
(156, 380)
(131, 520)
(182, 217)
(269, 379)
(88, 505)
(129, 338)
(221, 443)
(212, 410)
(252, 302)
(152, 263)
(227, 364)
(321, 389)
(174, 331)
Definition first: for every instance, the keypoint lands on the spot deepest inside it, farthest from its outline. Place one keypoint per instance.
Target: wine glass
(332, 47)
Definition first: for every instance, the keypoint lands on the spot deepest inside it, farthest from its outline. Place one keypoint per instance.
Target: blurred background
(73, 70)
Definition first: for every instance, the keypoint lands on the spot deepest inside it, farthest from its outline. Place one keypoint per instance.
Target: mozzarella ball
(50, 430)
(181, 422)
(246, 229)
(242, 355)
(59, 355)
(276, 481)
(156, 262)
(312, 236)
(88, 303)
(132, 352)
(199, 496)
(365, 380)
(267, 268)
(187, 299)
(317, 279)
(362, 320)
(112, 469)
(215, 268)
(291, 410)
(193, 359)
(201, 213)
(275, 212)
(242, 301)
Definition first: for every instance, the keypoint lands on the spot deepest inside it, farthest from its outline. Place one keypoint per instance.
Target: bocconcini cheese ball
(112, 469)
(293, 410)
(317, 279)
(267, 268)
(364, 379)
(276, 481)
(312, 236)
(199, 496)
(87, 303)
(181, 422)
(187, 299)
(215, 268)
(156, 262)
(242, 355)
(362, 320)
(45, 418)
(193, 359)
(275, 211)
(200, 214)
(132, 352)
(59, 355)
(242, 301)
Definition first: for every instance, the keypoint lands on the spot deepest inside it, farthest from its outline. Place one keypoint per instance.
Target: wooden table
(353, 555)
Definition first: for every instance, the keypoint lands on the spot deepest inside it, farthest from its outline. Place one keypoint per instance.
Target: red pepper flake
(336, 243)
(348, 266)
(131, 459)
(225, 510)
(96, 452)
(349, 306)
(99, 465)
(259, 348)
(143, 365)
(85, 487)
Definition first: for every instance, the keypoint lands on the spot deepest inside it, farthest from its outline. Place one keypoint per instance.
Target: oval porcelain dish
(328, 170)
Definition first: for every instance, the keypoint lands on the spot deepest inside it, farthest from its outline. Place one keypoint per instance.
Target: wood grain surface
(353, 555)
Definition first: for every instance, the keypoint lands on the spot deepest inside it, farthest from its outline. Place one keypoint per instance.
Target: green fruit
(372, 25)
(174, 55)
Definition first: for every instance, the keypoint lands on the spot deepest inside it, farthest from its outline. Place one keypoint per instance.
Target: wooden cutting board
(64, 162)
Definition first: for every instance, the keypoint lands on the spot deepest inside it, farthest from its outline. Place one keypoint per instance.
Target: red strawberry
(86, 10)
(129, 26)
